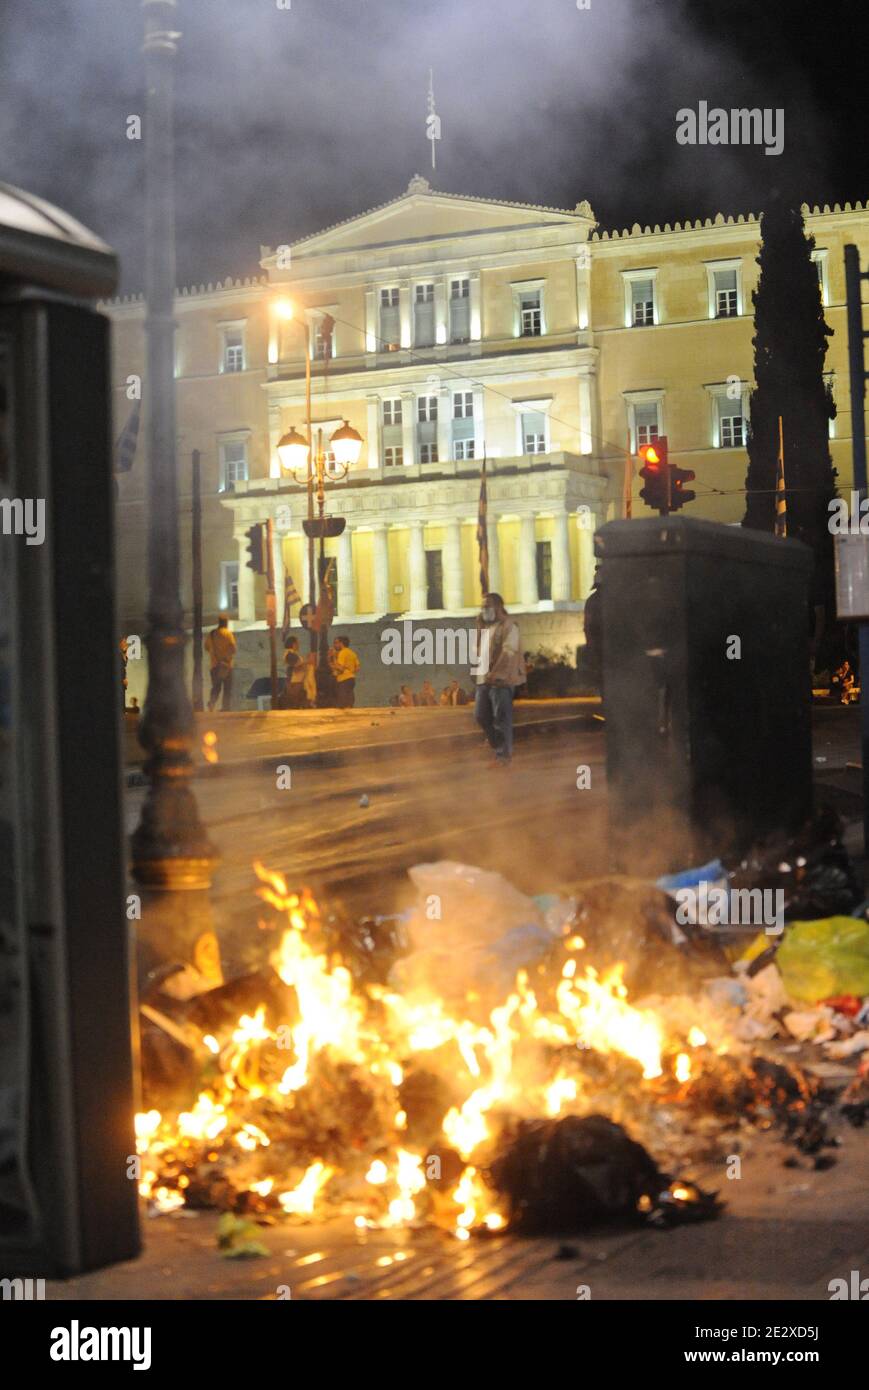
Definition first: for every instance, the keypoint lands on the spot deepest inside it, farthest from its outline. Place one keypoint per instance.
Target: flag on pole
(291, 598)
(483, 531)
(125, 445)
(781, 502)
(433, 120)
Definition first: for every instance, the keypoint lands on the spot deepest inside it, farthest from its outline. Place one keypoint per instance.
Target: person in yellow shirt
(345, 664)
(220, 645)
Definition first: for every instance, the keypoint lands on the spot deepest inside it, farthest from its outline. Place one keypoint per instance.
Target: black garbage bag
(572, 1173)
(812, 869)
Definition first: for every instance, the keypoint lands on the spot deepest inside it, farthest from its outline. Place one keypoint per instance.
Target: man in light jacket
(501, 668)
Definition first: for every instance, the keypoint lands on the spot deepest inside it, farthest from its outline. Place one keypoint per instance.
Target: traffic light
(256, 549)
(656, 471)
(678, 478)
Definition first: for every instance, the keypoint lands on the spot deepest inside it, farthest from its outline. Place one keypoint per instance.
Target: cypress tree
(790, 345)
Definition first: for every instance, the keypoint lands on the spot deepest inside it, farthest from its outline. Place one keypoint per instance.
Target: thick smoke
(290, 119)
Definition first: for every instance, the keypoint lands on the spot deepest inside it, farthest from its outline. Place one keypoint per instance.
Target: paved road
(784, 1235)
(528, 821)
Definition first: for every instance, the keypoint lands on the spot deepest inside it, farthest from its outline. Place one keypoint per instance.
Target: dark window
(544, 569)
(434, 576)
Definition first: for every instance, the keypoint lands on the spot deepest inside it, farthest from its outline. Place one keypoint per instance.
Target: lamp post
(294, 452)
(170, 848)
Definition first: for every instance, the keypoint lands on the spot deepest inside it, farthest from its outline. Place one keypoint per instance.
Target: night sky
(288, 120)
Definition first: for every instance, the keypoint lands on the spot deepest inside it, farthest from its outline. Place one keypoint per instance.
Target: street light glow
(346, 444)
(293, 451)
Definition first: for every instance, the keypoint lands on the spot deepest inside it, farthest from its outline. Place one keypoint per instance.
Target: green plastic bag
(819, 960)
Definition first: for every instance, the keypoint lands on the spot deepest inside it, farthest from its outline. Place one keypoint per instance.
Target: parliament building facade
(464, 328)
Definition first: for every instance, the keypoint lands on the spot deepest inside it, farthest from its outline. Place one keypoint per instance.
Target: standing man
(500, 670)
(345, 664)
(220, 645)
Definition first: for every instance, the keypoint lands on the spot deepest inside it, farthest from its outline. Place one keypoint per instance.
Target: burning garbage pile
(488, 1062)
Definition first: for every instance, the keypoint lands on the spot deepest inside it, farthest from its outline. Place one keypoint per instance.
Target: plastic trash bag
(821, 959)
(812, 869)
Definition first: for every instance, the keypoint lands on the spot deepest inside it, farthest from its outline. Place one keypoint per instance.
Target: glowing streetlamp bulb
(293, 450)
(346, 445)
(284, 308)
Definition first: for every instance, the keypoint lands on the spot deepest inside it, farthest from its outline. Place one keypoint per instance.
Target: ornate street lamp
(294, 453)
(170, 848)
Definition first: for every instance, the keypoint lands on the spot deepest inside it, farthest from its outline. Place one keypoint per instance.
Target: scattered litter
(363, 800)
(237, 1238)
(826, 958)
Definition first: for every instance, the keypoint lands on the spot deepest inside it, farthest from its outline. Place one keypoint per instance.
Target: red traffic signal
(656, 472)
(678, 493)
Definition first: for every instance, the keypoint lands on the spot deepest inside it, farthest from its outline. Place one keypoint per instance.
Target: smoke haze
(291, 119)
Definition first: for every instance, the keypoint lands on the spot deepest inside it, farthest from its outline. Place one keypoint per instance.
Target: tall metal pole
(857, 372)
(196, 542)
(312, 583)
(170, 848)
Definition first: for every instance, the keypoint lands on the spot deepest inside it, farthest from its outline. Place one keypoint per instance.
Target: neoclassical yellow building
(463, 327)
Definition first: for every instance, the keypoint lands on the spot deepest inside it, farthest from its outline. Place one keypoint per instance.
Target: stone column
(246, 606)
(528, 595)
(404, 311)
(582, 287)
(408, 427)
(452, 558)
(440, 303)
(476, 313)
(585, 416)
(445, 427)
(479, 423)
(586, 556)
(346, 580)
(374, 413)
(561, 559)
(382, 595)
(371, 320)
(418, 599)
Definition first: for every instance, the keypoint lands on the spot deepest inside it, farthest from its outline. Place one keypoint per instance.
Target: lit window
(393, 456)
(463, 449)
(533, 432)
(392, 412)
(229, 586)
(726, 294)
(531, 314)
(732, 431)
(642, 303)
(233, 455)
(233, 350)
(647, 425)
(390, 325)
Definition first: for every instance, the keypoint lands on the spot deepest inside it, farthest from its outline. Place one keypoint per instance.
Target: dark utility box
(707, 688)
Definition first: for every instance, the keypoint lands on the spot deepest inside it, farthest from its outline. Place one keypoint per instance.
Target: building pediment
(423, 214)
